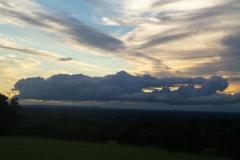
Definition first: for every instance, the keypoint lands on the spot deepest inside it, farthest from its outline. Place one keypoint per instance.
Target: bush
(9, 113)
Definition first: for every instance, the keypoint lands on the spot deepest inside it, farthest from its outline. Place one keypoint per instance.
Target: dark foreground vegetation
(9, 114)
(198, 132)
(211, 133)
(13, 148)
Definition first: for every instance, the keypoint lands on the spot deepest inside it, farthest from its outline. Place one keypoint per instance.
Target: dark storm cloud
(121, 86)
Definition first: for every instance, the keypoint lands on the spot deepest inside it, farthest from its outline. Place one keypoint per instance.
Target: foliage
(213, 133)
(9, 113)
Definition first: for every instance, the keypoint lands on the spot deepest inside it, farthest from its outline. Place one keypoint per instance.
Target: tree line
(9, 114)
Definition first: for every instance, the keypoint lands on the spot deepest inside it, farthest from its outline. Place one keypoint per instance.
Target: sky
(162, 38)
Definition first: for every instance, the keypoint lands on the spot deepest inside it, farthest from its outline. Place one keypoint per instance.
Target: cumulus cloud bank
(123, 86)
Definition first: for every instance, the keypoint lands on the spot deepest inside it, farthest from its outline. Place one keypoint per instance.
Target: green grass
(20, 148)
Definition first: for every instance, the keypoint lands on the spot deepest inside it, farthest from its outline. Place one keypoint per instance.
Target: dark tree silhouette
(8, 113)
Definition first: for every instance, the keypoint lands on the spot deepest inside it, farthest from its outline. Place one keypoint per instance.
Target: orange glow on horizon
(233, 88)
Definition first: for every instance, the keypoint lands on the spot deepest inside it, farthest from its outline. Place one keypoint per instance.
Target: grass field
(12, 148)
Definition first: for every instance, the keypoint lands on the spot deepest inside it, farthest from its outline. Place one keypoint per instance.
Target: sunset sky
(163, 38)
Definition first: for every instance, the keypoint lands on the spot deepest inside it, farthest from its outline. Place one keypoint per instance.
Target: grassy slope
(12, 148)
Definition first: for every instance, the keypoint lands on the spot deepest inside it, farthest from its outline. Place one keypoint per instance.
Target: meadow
(30, 148)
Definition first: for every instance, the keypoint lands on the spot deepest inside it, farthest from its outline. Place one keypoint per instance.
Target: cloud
(65, 59)
(234, 78)
(229, 58)
(83, 34)
(175, 37)
(8, 44)
(164, 39)
(123, 86)
(68, 28)
(232, 42)
(184, 30)
(110, 22)
(163, 2)
(11, 69)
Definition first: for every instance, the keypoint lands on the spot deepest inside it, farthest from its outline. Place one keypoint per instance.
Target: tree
(9, 113)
